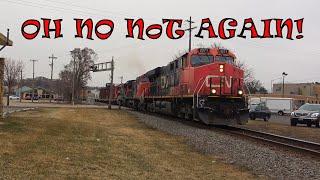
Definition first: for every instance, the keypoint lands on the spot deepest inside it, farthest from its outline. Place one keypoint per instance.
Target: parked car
(14, 97)
(29, 98)
(260, 111)
(308, 114)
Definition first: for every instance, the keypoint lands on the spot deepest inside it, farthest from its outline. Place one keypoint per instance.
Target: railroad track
(309, 147)
(296, 144)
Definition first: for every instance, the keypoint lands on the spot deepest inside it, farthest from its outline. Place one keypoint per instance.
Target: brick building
(304, 89)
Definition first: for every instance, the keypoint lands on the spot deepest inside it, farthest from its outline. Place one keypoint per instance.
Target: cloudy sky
(267, 57)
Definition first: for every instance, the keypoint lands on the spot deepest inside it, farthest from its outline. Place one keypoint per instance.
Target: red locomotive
(204, 84)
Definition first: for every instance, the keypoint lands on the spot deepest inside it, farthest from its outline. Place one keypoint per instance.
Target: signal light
(221, 68)
(240, 92)
(214, 91)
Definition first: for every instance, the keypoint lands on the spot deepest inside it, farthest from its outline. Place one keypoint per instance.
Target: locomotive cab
(216, 85)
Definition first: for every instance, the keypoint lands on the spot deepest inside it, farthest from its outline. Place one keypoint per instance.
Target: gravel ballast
(260, 159)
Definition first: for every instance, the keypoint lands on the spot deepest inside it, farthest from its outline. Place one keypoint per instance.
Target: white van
(280, 106)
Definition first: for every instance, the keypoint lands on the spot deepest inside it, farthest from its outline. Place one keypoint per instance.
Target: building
(4, 41)
(304, 89)
(41, 93)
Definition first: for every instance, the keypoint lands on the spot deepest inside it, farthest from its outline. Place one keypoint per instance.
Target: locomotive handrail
(200, 90)
(206, 78)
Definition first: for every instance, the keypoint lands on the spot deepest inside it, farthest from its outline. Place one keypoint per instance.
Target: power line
(69, 10)
(99, 10)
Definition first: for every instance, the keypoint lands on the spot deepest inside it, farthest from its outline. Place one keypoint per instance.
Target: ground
(299, 132)
(98, 143)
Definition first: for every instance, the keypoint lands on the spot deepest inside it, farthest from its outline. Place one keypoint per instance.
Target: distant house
(38, 92)
(22, 90)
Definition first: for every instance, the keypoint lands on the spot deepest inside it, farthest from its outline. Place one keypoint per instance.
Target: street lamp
(284, 74)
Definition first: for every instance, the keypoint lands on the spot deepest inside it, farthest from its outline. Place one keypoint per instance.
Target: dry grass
(64, 143)
(300, 132)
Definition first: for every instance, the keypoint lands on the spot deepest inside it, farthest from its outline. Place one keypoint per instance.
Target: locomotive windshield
(199, 60)
(226, 59)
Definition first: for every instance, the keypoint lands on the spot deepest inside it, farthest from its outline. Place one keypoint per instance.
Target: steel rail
(297, 144)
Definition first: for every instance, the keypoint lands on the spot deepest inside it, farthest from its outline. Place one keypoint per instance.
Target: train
(204, 85)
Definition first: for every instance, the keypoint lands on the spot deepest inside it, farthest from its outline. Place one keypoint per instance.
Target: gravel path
(260, 159)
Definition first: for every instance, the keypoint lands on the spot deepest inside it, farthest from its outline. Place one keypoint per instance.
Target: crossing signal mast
(105, 66)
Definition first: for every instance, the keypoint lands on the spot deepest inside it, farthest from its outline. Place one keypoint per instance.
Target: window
(226, 59)
(310, 107)
(199, 60)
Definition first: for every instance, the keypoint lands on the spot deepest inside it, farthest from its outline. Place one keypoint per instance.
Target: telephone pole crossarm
(190, 32)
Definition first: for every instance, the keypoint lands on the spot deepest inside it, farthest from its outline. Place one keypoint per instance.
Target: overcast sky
(267, 57)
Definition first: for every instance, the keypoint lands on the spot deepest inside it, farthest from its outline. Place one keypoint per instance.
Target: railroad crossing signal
(105, 66)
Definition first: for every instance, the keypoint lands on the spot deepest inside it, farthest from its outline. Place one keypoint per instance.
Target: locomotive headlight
(221, 68)
(213, 91)
(240, 92)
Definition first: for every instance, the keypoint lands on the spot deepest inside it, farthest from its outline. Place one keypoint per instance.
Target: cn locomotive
(203, 85)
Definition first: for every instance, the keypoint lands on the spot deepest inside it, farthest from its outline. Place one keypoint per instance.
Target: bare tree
(248, 72)
(12, 70)
(253, 85)
(79, 66)
(65, 84)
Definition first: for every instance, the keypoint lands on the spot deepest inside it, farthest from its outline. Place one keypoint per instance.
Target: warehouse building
(304, 89)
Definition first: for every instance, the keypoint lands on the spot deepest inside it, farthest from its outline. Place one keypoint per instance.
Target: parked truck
(280, 106)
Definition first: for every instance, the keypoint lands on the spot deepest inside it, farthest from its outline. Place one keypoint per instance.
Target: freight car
(104, 94)
(204, 85)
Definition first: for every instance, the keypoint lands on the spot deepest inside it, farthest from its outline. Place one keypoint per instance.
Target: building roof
(306, 83)
(3, 40)
(24, 89)
(28, 89)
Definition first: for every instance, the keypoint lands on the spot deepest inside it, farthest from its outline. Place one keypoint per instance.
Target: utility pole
(190, 32)
(33, 61)
(73, 77)
(111, 83)
(20, 93)
(52, 58)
